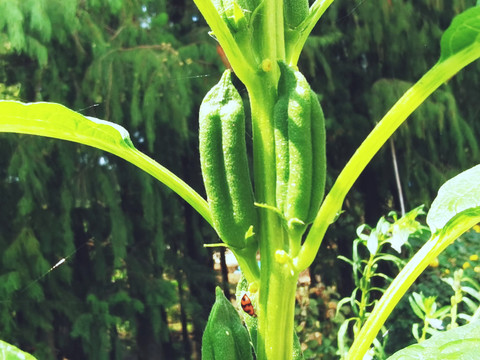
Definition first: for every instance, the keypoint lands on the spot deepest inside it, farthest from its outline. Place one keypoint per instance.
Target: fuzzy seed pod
(295, 11)
(299, 149)
(223, 157)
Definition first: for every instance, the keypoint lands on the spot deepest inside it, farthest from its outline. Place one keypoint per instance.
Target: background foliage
(134, 254)
(137, 279)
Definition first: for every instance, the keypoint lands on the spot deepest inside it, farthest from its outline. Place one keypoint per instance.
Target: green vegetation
(112, 224)
(136, 278)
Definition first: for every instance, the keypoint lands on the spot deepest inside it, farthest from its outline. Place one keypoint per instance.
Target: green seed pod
(293, 145)
(223, 157)
(281, 151)
(295, 11)
(225, 338)
(318, 157)
(299, 149)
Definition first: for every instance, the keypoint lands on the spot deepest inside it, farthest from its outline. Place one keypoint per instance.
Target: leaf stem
(169, 179)
(235, 55)
(410, 101)
(59, 122)
(316, 12)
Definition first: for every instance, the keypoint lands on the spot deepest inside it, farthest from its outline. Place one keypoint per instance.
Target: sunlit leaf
(460, 343)
(10, 352)
(463, 32)
(57, 121)
(456, 195)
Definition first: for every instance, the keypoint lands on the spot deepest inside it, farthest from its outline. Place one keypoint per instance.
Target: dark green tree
(129, 250)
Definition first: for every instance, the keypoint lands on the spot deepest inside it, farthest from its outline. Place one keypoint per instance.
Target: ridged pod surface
(319, 157)
(295, 11)
(299, 148)
(223, 158)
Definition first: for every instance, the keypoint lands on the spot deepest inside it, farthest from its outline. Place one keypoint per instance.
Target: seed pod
(293, 145)
(294, 12)
(299, 147)
(281, 150)
(223, 157)
(319, 159)
(225, 338)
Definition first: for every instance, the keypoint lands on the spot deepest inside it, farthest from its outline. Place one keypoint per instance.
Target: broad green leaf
(10, 352)
(458, 194)
(57, 121)
(461, 343)
(463, 32)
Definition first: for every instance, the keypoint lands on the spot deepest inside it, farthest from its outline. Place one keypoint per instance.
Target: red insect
(247, 305)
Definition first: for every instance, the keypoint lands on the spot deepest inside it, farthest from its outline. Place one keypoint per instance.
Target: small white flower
(436, 324)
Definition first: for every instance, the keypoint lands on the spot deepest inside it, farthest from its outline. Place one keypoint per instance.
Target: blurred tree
(130, 247)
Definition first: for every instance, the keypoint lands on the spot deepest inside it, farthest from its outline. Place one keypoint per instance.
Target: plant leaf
(416, 302)
(10, 352)
(463, 32)
(458, 194)
(225, 337)
(460, 343)
(57, 121)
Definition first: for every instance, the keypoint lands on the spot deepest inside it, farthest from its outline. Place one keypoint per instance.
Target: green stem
(242, 66)
(276, 312)
(364, 299)
(432, 248)
(247, 260)
(424, 330)
(169, 179)
(413, 98)
(456, 298)
(316, 12)
(277, 281)
(270, 235)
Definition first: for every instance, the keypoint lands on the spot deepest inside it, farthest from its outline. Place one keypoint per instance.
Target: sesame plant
(276, 209)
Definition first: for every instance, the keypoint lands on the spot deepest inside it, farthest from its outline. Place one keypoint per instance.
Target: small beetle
(247, 305)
